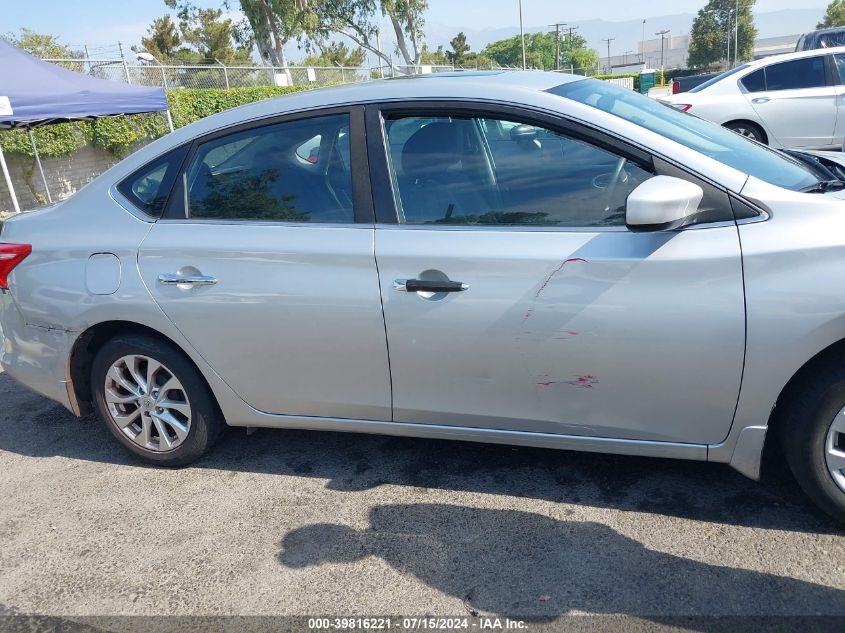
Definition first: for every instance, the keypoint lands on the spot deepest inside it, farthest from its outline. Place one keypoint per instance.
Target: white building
(676, 52)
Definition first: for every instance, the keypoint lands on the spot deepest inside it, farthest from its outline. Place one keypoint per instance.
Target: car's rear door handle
(761, 100)
(428, 285)
(186, 280)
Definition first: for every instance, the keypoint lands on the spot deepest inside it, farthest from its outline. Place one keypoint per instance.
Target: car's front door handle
(761, 100)
(186, 280)
(428, 285)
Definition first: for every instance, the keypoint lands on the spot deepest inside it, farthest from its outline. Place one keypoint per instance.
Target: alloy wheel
(746, 132)
(835, 449)
(147, 403)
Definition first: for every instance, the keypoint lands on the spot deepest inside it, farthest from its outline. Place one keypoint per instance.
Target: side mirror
(662, 203)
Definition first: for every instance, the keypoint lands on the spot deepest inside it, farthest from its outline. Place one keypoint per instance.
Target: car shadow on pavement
(34, 426)
(516, 563)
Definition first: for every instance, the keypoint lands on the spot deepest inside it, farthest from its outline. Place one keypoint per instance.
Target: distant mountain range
(628, 34)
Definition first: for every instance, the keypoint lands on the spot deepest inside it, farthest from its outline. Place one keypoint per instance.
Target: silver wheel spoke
(143, 438)
(835, 450)
(152, 368)
(163, 437)
(117, 375)
(180, 429)
(135, 370)
(116, 398)
(169, 385)
(123, 421)
(835, 459)
(182, 407)
(139, 408)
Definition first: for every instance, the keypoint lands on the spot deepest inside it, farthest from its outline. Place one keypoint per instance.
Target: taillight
(683, 107)
(676, 87)
(10, 256)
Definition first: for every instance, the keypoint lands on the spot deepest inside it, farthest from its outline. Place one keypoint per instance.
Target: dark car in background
(824, 38)
(685, 84)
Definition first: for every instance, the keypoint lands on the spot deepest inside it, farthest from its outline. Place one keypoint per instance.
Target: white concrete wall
(65, 175)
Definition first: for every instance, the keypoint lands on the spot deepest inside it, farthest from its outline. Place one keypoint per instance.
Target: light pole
(557, 43)
(608, 40)
(522, 36)
(148, 57)
(642, 46)
(736, 34)
(662, 35)
(144, 56)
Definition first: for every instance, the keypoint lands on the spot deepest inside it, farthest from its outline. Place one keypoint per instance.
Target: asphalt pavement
(307, 523)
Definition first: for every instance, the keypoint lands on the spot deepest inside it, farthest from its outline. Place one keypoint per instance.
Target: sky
(106, 22)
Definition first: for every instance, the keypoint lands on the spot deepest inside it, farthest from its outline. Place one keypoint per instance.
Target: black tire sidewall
(804, 438)
(206, 421)
(758, 133)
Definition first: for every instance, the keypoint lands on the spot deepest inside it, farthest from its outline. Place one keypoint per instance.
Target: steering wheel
(615, 179)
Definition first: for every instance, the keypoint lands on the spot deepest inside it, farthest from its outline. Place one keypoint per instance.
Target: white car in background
(795, 100)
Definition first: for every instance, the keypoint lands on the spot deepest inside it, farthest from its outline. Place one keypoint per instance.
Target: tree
(581, 60)
(163, 40)
(40, 45)
(274, 23)
(437, 57)
(713, 32)
(356, 19)
(457, 56)
(336, 54)
(540, 49)
(207, 34)
(212, 37)
(834, 16)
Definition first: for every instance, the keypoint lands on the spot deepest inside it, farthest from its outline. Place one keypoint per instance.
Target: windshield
(705, 137)
(710, 82)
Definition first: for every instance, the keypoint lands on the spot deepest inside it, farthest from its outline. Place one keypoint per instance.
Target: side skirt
(643, 448)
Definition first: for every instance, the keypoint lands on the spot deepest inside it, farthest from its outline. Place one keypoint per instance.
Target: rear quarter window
(149, 187)
(754, 82)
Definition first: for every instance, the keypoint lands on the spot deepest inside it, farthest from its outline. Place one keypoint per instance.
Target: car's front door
(798, 102)
(262, 266)
(839, 89)
(515, 297)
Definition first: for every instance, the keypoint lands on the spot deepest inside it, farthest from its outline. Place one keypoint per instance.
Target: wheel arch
(86, 346)
(800, 378)
(746, 121)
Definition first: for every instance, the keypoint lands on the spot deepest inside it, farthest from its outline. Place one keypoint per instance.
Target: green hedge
(634, 76)
(118, 134)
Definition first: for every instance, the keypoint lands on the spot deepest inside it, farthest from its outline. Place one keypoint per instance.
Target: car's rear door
(797, 101)
(515, 298)
(264, 261)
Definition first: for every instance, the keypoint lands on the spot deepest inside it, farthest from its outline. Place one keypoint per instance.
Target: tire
(748, 130)
(807, 421)
(171, 426)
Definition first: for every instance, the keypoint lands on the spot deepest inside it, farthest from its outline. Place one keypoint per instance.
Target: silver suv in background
(523, 258)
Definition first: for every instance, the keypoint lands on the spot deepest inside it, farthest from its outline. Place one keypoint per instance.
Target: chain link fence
(227, 76)
(218, 75)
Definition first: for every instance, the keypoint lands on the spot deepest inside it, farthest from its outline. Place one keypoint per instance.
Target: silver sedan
(522, 258)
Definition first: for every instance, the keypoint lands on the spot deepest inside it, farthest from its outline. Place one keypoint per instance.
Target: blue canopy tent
(34, 92)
